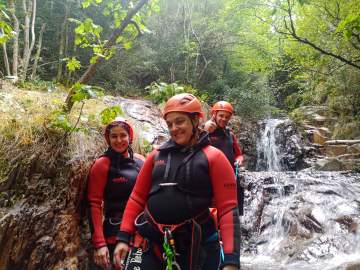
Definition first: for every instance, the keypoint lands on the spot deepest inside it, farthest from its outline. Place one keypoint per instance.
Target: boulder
(335, 150)
(329, 164)
(354, 149)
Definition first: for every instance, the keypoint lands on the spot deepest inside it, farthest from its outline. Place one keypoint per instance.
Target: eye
(179, 121)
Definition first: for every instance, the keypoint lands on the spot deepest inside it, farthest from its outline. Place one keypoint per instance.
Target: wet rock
(348, 222)
(309, 227)
(335, 150)
(329, 164)
(353, 267)
(353, 149)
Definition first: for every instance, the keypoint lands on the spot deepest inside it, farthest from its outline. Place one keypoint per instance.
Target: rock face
(273, 144)
(146, 117)
(340, 155)
(45, 230)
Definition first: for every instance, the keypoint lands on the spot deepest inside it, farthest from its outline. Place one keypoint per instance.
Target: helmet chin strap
(194, 130)
(216, 112)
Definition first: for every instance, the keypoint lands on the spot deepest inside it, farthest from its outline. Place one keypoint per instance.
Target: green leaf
(93, 59)
(61, 121)
(86, 3)
(109, 114)
(73, 64)
(127, 45)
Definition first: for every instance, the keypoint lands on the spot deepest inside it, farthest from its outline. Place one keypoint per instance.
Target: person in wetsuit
(111, 180)
(170, 202)
(224, 139)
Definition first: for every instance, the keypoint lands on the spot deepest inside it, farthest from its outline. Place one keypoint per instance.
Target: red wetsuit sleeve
(138, 197)
(224, 189)
(97, 181)
(239, 157)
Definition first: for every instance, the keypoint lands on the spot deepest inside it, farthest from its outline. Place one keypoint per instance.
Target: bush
(161, 92)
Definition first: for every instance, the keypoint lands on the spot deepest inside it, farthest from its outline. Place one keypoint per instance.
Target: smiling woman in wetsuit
(170, 202)
(111, 180)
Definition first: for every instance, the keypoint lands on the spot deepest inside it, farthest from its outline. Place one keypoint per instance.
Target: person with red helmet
(169, 205)
(111, 180)
(224, 139)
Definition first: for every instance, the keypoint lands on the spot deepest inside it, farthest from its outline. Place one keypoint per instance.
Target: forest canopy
(268, 57)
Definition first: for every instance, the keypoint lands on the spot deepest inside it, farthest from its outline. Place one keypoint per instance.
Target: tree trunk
(28, 49)
(63, 34)
(16, 29)
(26, 31)
(6, 59)
(89, 73)
(38, 51)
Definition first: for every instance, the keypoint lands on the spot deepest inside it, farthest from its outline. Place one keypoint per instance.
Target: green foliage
(60, 121)
(146, 147)
(6, 30)
(109, 114)
(160, 92)
(72, 64)
(89, 33)
(252, 103)
(38, 85)
(350, 26)
(83, 92)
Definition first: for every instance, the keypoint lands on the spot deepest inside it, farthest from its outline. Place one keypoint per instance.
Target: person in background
(224, 139)
(111, 180)
(170, 202)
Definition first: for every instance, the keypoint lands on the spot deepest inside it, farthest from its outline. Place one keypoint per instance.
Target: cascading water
(267, 148)
(304, 220)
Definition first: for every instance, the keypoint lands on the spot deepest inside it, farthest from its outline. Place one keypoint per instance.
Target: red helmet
(184, 102)
(121, 122)
(222, 106)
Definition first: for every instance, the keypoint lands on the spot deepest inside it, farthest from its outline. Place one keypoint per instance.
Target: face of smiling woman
(180, 127)
(119, 139)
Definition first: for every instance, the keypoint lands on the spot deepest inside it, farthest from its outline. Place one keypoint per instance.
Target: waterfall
(298, 220)
(268, 152)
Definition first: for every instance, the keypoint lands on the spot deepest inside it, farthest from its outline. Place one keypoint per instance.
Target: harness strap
(195, 245)
(196, 234)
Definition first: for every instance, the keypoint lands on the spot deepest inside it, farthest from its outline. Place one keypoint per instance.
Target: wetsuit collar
(112, 154)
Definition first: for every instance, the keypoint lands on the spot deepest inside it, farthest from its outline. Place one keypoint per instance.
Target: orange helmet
(222, 106)
(184, 102)
(124, 123)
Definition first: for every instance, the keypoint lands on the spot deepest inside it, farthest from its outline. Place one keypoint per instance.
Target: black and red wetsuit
(177, 184)
(225, 140)
(111, 180)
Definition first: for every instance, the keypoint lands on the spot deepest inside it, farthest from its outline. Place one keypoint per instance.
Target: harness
(149, 227)
(169, 235)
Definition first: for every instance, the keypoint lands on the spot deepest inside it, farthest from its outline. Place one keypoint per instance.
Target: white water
(274, 246)
(267, 149)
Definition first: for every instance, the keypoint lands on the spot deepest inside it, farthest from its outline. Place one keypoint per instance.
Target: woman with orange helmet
(224, 139)
(170, 202)
(111, 180)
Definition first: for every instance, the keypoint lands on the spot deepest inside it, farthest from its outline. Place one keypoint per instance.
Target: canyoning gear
(151, 260)
(225, 140)
(112, 178)
(170, 251)
(222, 106)
(184, 102)
(123, 123)
(240, 181)
(176, 185)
